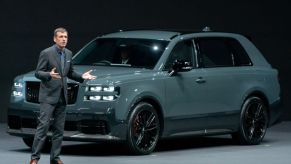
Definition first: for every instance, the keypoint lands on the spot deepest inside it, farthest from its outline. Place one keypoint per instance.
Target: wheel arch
(157, 106)
(263, 97)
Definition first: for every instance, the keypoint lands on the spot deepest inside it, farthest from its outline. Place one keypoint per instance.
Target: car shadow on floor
(108, 149)
(120, 149)
(184, 143)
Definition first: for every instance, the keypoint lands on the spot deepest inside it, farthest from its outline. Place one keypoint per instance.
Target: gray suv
(159, 84)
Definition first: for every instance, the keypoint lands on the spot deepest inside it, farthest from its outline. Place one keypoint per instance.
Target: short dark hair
(60, 29)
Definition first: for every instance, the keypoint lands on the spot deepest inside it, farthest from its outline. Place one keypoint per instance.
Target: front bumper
(68, 135)
(80, 125)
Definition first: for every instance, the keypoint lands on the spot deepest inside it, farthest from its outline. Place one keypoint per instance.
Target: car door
(183, 91)
(224, 80)
(207, 97)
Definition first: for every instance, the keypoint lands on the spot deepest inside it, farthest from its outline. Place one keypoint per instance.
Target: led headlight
(109, 89)
(95, 98)
(98, 98)
(95, 88)
(18, 85)
(101, 93)
(17, 88)
(17, 94)
(101, 88)
(108, 98)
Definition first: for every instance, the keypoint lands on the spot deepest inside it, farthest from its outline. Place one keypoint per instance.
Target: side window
(182, 51)
(241, 57)
(214, 52)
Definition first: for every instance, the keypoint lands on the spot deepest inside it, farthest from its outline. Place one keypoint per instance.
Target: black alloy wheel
(253, 122)
(143, 129)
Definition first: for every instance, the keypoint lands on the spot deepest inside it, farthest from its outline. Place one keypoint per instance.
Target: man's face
(124, 55)
(61, 39)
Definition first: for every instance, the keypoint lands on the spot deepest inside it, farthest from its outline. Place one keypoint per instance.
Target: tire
(28, 141)
(253, 122)
(143, 129)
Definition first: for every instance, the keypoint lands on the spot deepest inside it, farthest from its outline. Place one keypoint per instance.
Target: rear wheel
(253, 122)
(143, 129)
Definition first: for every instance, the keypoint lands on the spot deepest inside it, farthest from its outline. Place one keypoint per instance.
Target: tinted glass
(142, 53)
(241, 57)
(214, 52)
(183, 51)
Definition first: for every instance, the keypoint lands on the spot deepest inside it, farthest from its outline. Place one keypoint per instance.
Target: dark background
(27, 27)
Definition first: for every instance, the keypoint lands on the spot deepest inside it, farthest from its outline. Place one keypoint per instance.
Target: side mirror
(180, 66)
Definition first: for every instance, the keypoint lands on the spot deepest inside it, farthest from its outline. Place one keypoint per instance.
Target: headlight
(17, 94)
(18, 85)
(101, 93)
(17, 88)
(109, 89)
(94, 98)
(108, 98)
(101, 88)
(95, 88)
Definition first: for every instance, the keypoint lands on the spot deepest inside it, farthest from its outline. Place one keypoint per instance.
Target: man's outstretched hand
(88, 76)
(54, 75)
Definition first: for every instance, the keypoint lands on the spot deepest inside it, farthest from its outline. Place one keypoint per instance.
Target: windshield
(141, 53)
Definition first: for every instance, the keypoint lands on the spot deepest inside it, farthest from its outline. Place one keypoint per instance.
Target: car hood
(102, 72)
(105, 71)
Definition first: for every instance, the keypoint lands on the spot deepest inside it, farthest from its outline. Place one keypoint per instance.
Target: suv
(168, 84)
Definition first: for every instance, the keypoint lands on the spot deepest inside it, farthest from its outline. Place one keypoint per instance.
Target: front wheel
(253, 122)
(143, 129)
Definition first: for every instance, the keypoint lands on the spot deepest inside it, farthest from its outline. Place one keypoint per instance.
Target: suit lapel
(66, 63)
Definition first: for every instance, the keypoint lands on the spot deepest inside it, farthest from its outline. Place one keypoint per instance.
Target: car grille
(32, 92)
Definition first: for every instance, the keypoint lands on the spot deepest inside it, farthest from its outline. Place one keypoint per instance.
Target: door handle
(200, 80)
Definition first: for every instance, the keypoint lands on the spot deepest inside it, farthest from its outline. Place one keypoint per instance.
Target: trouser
(54, 114)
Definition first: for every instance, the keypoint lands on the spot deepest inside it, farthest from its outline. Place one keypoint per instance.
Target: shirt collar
(59, 51)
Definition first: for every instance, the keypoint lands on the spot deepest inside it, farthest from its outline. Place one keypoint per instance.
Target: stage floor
(275, 149)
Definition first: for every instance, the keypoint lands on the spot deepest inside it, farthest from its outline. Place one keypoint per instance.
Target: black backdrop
(26, 28)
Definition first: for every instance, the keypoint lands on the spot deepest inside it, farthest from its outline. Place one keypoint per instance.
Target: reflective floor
(276, 148)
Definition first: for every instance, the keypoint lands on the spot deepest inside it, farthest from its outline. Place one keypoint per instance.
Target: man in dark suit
(125, 56)
(53, 68)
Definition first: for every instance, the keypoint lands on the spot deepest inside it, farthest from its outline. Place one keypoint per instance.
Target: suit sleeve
(42, 71)
(72, 74)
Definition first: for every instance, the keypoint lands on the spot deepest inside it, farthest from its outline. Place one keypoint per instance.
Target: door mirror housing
(180, 66)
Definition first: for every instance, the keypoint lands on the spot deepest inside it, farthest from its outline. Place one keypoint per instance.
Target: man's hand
(54, 75)
(88, 76)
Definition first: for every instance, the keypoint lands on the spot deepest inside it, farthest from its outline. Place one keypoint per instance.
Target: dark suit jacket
(50, 90)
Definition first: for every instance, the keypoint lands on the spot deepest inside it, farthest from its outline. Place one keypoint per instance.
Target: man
(53, 68)
(125, 56)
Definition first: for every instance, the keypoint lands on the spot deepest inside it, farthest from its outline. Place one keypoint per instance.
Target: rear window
(221, 52)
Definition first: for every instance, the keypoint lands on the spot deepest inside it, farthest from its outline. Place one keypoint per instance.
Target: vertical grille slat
(32, 92)
(72, 93)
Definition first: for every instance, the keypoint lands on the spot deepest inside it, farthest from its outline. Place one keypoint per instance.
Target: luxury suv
(159, 84)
